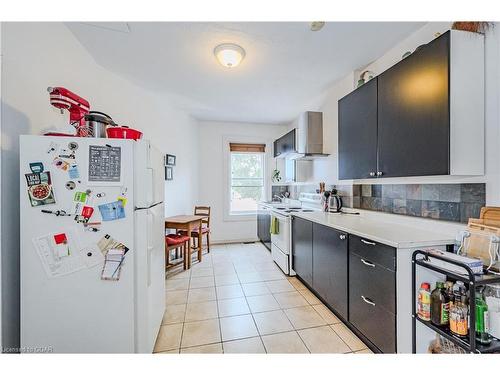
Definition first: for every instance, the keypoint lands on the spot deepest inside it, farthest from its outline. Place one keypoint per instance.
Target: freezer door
(149, 175)
(150, 281)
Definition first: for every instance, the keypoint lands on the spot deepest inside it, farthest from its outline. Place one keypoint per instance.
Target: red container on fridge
(123, 132)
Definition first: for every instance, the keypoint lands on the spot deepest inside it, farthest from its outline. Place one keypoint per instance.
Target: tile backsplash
(451, 202)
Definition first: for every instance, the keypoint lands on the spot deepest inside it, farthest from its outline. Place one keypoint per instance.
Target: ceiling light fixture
(317, 25)
(229, 54)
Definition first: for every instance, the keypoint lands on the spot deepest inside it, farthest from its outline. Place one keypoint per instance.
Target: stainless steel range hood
(309, 136)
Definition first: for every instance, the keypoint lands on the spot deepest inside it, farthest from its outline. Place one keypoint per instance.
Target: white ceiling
(286, 70)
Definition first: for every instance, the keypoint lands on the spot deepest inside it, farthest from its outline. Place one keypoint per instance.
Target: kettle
(335, 202)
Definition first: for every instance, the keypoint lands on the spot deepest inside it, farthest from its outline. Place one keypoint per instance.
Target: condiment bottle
(458, 316)
(440, 305)
(424, 302)
(482, 320)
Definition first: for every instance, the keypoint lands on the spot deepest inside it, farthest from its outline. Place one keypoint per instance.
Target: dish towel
(275, 226)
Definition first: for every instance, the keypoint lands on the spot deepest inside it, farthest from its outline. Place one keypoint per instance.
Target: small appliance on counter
(97, 123)
(335, 201)
(77, 107)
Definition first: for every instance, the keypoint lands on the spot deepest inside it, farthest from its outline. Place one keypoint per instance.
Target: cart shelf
(420, 258)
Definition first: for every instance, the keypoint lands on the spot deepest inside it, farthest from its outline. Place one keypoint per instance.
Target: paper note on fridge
(112, 211)
(113, 264)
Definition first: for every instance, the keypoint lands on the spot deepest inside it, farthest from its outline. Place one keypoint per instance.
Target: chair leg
(167, 257)
(208, 242)
(184, 255)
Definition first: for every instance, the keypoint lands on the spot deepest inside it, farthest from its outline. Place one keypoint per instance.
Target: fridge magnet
(56, 212)
(87, 212)
(36, 167)
(40, 190)
(73, 146)
(73, 172)
(67, 154)
(80, 196)
(61, 242)
(123, 200)
(107, 242)
(169, 173)
(112, 211)
(61, 164)
(91, 256)
(70, 185)
(100, 195)
(170, 159)
(52, 148)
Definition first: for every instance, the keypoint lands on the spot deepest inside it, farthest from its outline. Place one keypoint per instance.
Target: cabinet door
(358, 132)
(302, 249)
(330, 267)
(413, 113)
(276, 148)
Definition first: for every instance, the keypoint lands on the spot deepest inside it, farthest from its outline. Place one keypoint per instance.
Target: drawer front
(280, 258)
(372, 281)
(373, 251)
(375, 323)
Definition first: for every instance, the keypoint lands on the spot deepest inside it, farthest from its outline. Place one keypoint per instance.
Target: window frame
(263, 160)
(246, 216)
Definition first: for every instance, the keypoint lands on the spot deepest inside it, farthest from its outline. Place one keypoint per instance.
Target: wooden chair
(205, 225)
(177, 242)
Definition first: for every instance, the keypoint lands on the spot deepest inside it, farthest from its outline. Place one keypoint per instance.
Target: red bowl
(123, 132)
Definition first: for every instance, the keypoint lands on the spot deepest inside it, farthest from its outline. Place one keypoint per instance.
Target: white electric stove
(281, 243)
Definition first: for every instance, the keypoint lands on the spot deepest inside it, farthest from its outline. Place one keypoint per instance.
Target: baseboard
(240, 240)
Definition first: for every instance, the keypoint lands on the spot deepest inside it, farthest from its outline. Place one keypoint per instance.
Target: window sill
(240, 217)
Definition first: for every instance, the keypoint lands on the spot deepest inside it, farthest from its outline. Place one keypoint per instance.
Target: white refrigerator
(81, 200)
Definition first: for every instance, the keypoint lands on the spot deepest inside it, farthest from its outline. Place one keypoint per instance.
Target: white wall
(38, 55)
(214, 172)
(492, 141)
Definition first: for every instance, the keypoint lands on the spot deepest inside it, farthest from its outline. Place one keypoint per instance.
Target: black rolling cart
(420, 258)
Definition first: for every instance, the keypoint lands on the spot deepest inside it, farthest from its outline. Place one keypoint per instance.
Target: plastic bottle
(440, 305)
(424, 302)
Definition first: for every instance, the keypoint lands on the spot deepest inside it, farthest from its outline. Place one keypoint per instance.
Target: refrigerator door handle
(150, 244)
(150, 185)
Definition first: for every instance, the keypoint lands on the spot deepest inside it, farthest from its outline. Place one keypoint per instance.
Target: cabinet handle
(366, 263)
(372, 174)
(368, 301)
(379, 173)
(342, 236)
(368, 242)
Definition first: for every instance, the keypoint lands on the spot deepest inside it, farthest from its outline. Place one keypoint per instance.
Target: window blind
(247, 147)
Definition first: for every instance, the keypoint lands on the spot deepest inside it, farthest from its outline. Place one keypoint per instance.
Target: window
(247, 180)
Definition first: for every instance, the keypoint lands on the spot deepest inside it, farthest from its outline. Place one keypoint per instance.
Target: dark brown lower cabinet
(330, 267)
(372, 301)
(302, 249)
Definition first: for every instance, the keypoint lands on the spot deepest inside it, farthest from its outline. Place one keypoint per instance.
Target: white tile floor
(238, 301)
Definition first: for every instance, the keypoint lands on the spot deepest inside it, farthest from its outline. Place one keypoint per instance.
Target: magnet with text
(112, 211)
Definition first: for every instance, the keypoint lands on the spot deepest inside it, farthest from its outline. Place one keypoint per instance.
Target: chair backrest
(203, 211)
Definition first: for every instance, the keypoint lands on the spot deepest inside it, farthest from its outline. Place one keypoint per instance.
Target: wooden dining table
(187, 223)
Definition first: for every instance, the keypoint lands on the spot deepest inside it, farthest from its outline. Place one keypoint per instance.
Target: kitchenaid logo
(29, 349)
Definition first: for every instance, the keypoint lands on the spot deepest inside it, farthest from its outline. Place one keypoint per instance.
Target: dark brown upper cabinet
(426, 117)
(358, 133)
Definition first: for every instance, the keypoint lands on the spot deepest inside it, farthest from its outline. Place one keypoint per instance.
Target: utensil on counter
(123, 132)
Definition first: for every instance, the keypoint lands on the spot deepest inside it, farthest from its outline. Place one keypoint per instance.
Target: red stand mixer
(78, 107)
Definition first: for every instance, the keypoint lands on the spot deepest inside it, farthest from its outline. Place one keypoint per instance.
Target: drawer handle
(366, 263)
(368, 242)
(368, 301)
(342, 237)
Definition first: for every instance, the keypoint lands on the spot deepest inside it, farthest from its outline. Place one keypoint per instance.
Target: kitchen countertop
(385, 229)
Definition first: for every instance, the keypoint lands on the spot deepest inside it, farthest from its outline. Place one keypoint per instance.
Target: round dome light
(229, 55)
